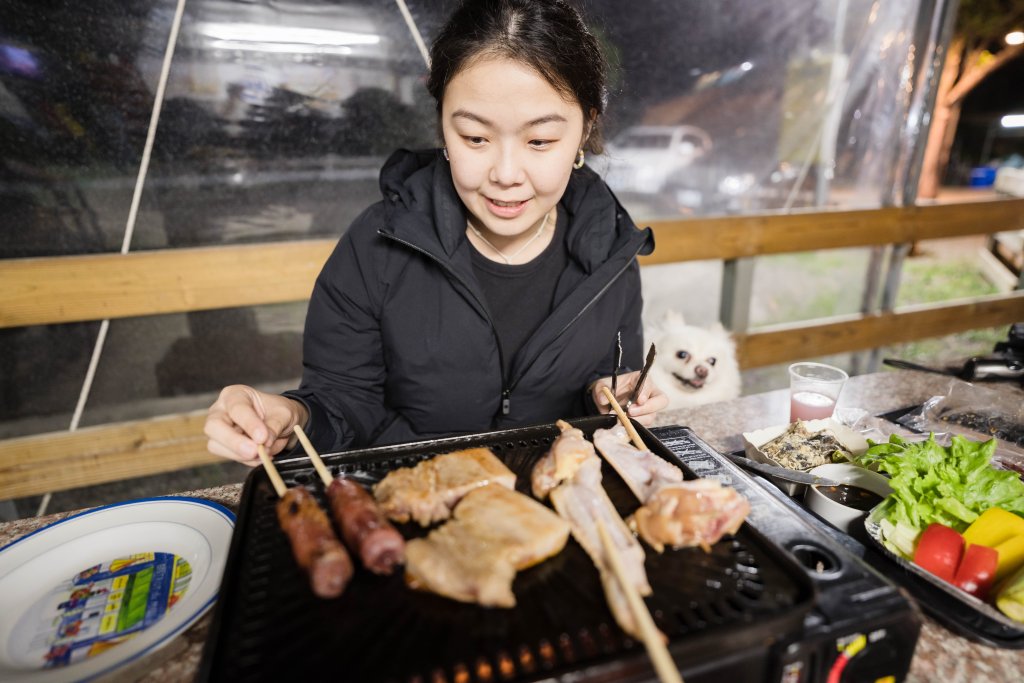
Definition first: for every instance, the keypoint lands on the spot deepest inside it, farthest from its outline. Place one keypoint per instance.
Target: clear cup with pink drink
(813, 390)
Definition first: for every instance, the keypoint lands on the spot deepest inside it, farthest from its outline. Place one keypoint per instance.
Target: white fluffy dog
(695, 365)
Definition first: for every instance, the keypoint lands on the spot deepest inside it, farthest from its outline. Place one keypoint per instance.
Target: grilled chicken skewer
(674, 512)
(366, 530)
(570, 473)
(314, 545)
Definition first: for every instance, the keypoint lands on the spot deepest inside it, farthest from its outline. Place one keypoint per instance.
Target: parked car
(734, 185)
(642, 158)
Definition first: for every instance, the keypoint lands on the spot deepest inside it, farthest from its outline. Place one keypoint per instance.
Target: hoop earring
(444, 150)
(579, 160)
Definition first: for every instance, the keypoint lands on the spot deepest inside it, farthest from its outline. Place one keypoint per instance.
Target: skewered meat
(567, 454)
(643, 471)
(474, 557)
(364, 527)
(579, 499)
(429, 491)
(674, 512)
(690, 513)
(315, 547)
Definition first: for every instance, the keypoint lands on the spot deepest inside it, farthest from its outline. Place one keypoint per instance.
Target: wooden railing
(80, 288)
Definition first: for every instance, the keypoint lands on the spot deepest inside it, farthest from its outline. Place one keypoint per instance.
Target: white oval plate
(36, 571)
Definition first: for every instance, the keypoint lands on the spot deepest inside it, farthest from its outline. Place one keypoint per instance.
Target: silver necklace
(509, 259)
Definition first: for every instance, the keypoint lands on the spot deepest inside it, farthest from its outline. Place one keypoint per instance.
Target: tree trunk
(940, 144)
(953, 87)
(936, 153)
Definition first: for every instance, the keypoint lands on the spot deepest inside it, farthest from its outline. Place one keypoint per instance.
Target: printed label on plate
(105, 605)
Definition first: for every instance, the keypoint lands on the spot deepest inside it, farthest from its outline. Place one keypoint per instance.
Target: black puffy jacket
(399, 344)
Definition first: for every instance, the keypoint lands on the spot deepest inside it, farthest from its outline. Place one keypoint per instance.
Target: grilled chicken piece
(429, 491)
(568, 452)
(643, 471)
(580, 499)
(474, 557)
(690, 513)
(675, 512)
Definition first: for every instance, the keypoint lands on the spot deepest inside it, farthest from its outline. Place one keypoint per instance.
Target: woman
(489, 286)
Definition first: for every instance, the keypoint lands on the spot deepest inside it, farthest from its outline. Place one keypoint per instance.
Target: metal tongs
(651, 353)
(618, 362)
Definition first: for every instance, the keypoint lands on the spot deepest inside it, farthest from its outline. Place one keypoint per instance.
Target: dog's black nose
(701, 371)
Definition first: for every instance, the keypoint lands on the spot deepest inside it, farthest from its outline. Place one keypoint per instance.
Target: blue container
(983, 176)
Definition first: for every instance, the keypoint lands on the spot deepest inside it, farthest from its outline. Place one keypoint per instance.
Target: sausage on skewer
(315, 547)
(365, 528)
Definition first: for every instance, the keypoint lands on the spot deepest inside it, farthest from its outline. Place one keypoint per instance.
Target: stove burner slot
(526, 660)
(587, 643)
(547, 654)
(484, 671)
(815, 559)
(506, 667)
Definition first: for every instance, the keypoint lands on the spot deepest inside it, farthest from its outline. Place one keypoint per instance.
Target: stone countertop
(940, 654)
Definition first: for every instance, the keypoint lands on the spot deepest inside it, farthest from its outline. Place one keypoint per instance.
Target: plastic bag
(976, 413)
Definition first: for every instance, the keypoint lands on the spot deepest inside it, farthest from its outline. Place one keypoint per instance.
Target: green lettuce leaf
(931, 483)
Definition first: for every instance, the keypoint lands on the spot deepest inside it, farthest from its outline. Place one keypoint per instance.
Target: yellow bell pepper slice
(1010, 596)
(1011, 556)
(994, 526)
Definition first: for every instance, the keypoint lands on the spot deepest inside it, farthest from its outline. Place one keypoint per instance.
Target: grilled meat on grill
(691, 513)
(643, 471)
(580, 499)
(674, 512)
(364, 527)
(314, 545)
(474, 557)
(429, 491)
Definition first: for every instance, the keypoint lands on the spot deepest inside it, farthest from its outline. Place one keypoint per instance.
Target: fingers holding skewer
(314, 457)
(366, 530)
(624, 419)
(314, 545)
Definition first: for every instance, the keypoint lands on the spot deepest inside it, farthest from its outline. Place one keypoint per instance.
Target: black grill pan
(726, 608)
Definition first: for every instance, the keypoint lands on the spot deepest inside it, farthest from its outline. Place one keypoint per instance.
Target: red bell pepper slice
(977, 570)
(939, 551)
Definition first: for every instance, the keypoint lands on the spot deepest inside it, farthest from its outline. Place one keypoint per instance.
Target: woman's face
(512, 140)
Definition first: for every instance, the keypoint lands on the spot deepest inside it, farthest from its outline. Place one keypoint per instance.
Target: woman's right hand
(243, 417)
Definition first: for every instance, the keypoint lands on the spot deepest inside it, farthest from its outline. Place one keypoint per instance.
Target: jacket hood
(423, 208)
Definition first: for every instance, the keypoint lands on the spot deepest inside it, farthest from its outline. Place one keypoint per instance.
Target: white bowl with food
(802, 446)
(858, 491)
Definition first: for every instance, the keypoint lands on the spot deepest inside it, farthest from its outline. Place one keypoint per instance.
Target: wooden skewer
(624, 419)
(652, 637)
(268, 465)
(318, 463)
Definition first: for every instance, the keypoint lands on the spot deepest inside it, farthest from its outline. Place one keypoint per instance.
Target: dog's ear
(673, 318)
(719, 330)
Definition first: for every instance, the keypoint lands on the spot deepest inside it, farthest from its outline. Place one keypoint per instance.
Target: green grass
(810, 285)
(929, 281)
(804, 286)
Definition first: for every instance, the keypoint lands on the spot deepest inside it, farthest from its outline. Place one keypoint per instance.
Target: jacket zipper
(582, 311)
(506, 391)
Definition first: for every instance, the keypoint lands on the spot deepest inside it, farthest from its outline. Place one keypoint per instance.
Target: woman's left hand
(647, 404)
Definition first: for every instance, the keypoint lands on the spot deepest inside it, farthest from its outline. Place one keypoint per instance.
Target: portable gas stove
(779, 601)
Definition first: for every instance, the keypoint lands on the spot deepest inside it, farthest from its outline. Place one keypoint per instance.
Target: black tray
(742, 597)
(956, 614)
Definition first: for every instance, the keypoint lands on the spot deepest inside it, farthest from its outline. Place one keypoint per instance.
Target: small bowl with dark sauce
(857, 492)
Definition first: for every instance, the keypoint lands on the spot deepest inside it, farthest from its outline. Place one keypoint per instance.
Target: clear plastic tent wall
(766, 107)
